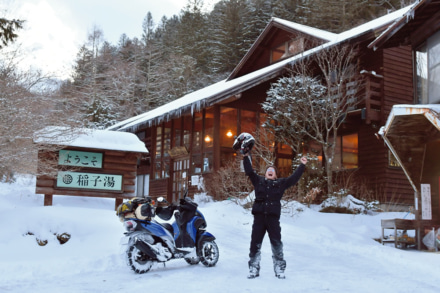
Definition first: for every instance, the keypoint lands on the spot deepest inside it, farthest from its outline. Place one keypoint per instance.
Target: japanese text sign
(80, 159)
(109, 182)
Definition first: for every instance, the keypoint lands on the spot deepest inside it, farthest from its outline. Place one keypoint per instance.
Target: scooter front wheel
(138, 261)
(208, 253)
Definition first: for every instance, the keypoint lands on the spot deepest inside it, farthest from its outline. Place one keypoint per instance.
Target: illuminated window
(208, 139)
(346, 152)
(228, 126)
(159, 142)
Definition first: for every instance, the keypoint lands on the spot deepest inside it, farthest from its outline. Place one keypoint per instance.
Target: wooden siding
(398, 78)
(159, 187)
(398, 89)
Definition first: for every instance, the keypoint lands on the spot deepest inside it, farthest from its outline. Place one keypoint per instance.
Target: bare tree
(27, 105)
(312, 102)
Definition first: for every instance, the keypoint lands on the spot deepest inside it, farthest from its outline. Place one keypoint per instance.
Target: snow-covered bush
(348, 204)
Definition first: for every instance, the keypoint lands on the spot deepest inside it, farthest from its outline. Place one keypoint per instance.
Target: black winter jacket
(268, 193)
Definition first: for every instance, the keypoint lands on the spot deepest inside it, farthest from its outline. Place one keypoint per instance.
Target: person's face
(271, 173)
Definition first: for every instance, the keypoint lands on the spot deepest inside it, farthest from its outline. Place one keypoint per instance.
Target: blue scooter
(149, 241)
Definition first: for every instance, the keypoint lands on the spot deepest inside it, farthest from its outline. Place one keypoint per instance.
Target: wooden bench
(398, 224)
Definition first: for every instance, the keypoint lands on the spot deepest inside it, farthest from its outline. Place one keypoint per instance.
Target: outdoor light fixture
(229, 133)
(208, 138)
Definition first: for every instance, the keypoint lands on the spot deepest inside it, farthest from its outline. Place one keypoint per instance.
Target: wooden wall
(398, 89)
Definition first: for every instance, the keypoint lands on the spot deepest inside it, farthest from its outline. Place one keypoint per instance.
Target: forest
(173, 57)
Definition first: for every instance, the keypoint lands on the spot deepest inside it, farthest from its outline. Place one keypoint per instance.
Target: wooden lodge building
(192, 136)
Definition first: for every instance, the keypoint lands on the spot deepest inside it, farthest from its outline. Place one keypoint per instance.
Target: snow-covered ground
(324, 252)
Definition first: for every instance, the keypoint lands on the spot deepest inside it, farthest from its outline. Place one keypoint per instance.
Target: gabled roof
(275, 24)
(231, 88)
(404, 31)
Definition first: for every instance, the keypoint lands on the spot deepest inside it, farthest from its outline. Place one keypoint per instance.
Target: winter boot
(254, 266)
(253, 272)
(279, 264)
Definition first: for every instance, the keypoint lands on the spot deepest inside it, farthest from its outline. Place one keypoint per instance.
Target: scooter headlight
(130, 225)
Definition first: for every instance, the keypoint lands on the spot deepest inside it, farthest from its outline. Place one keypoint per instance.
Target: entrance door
(180, 177)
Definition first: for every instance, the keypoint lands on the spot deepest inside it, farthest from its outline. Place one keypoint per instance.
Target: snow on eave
(430, 111)
(396, 26)
(312, 31)
(373, 24)
(90, 138)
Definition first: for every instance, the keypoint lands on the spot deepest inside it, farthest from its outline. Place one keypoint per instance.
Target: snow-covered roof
(398, 23)
(224, 89)
(90, 138)
(430, 111)
(312, 31)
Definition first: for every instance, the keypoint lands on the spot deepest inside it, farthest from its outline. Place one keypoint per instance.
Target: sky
(324, 252)
(55, 29)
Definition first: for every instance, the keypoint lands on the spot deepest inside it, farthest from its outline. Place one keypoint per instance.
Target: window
(392, 161)
(142, 185)
(187, 122)
(228, 126)
(177, 132)
(208, 159)
(287, 49)
(284, 167)
(197, 132)
(158, 142)
(422, 75)
(428, 71)
(209, 129)
(248, 121)
(346, 152)
(167, 139)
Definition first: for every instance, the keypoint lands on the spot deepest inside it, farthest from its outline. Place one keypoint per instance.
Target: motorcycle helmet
(244, 142)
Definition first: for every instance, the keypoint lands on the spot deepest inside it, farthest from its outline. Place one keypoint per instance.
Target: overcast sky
(55, 29)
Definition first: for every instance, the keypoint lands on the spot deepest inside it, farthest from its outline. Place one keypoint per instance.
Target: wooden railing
(371, 102)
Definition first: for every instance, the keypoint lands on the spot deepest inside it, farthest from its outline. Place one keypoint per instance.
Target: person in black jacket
(267, 210)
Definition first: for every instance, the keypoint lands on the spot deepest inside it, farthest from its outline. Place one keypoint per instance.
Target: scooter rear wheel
(138, 261)
(208, 253)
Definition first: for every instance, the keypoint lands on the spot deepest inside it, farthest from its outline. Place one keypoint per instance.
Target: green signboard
(80, 159)
(108, 182)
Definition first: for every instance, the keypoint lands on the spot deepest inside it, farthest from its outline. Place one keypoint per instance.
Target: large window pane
(197, 165)
(350, 151)
(208, 159)
(433, 47)
(177, 132)
(228, 126)
(422, 75)
(187, 121)
(167, 139)
(197, 132)
(209, 129)
(158, 142)
(248, 121)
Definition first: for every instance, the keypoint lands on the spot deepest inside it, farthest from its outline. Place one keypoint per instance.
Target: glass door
(180, 177)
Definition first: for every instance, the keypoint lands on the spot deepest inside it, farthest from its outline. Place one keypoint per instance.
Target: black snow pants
(271, 225)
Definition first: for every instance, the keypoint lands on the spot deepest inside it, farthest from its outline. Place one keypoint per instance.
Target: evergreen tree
(228, 42)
